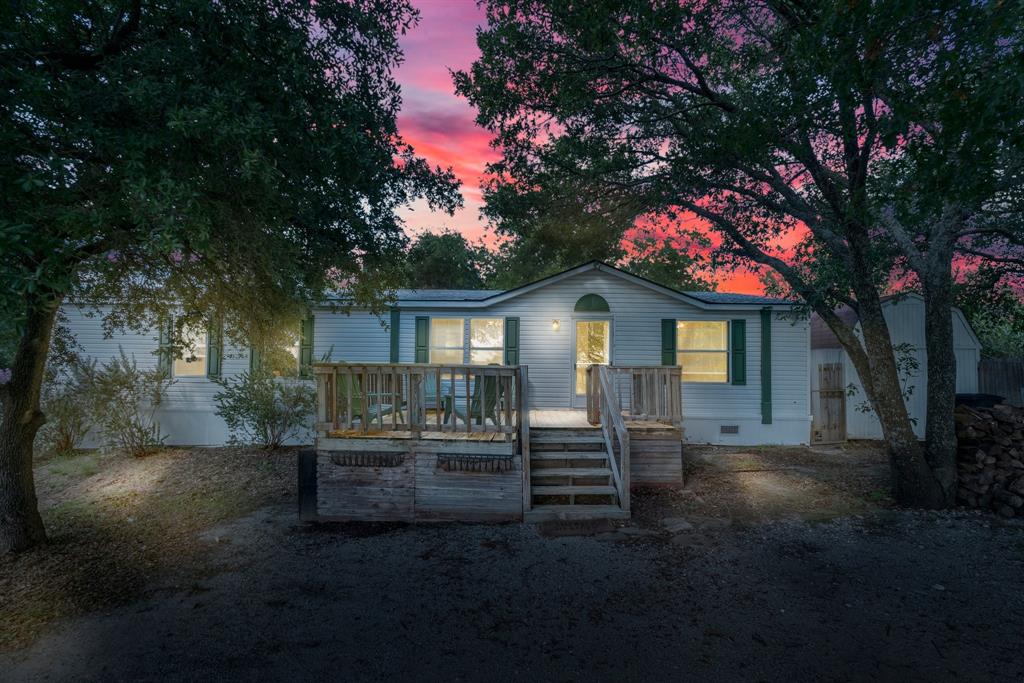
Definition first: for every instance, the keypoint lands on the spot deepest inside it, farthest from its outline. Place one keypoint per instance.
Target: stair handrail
(606, 402)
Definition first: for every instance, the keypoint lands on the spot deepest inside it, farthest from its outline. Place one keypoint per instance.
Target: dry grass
(769, 482)
(119, 526)
(116, 524)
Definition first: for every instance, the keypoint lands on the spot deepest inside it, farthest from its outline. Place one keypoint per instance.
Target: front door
(591, 346)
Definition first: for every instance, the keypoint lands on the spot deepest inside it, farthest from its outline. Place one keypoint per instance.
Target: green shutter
(395, 334)
(214, 349)
(511, 341)
(422, 339)
(766, 366)
(255, 359)
(668, 341)
(164, 350)
(306, 348)
(739, 351)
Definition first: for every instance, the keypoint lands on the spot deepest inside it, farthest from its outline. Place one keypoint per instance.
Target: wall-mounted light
(555, 324)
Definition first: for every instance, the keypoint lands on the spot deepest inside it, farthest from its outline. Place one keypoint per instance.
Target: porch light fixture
(555, 324)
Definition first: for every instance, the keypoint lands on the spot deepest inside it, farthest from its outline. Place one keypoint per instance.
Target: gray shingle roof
(445, 294)
(730, 298)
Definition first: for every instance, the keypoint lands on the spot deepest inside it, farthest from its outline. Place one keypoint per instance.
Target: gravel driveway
(886, 596)
(772, 563)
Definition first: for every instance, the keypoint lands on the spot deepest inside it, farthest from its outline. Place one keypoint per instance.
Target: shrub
(67, 396)
(125, 401)
(262, 409)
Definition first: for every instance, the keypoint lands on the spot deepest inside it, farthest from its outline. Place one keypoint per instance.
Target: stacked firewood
(990, 459)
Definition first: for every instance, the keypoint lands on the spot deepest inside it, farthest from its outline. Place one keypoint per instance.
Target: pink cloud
(442, 128)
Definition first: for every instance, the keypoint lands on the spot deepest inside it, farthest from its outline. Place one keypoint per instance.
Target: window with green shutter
(511, 341)
(165, 353)
(422, 339)
(306, 348)
(214, 349)
(396, 330)
(738, 330)
(668, 341)
(766, 366)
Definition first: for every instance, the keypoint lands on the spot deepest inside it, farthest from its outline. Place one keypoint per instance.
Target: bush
(67, 396)
(125, 401)
(262, 409)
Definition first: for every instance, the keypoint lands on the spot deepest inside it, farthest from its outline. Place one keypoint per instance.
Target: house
(602, 365)
(743, 383)
(838, 402)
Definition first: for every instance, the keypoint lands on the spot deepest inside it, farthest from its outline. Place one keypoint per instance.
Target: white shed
(838, 402)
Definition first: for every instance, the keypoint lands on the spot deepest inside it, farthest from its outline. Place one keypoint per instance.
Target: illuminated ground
(759, 581)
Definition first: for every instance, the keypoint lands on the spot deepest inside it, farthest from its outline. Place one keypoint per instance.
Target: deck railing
(418, 397)
(601, 391)
(644, 393)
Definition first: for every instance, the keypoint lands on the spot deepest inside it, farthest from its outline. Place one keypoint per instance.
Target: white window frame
(469, 341)
(204, 334)
(431, 347)
(727, 351)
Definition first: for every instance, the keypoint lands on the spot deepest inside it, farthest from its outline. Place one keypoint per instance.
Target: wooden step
(565, 439)
(543, 513)
(571, 472)
(568, 490)
(568, 455)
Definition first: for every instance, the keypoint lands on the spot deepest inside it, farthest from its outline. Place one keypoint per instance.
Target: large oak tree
(879, 138)
(231, 158)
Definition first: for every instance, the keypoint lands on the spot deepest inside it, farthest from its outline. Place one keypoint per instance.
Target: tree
(444, 261)
(994, 307)
(219, 161)
(847, 128)
(668, 264)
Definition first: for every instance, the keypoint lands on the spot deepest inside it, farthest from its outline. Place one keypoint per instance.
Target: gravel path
(885, 596)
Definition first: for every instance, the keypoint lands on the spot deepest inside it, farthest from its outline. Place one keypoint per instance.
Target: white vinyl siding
(905, 319)
(635, 318)
(188, 413)
(636, 314)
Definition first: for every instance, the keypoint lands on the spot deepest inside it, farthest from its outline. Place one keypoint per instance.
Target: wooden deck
(577, 419)
(539, 419)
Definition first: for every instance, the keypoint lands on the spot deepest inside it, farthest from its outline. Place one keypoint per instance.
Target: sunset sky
(441, 125)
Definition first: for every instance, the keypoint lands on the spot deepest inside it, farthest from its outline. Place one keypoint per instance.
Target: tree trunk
(914, 484)
(21, 527)
(940, 429)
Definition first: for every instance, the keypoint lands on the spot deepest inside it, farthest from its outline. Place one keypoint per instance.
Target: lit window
(702, 349)
(282, 361)
(447, 340)
(193, 354)
(486, 341)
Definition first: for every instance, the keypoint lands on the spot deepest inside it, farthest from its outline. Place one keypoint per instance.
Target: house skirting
(411, 480)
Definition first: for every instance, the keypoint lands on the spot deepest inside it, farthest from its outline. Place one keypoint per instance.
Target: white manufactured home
(744, 358)
(838, 401)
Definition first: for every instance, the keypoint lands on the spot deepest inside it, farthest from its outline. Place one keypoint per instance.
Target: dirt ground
(769, 563)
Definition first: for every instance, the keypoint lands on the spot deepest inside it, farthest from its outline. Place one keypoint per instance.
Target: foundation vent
(730, 429)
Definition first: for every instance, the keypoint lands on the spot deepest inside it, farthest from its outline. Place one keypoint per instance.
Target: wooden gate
(828, 403)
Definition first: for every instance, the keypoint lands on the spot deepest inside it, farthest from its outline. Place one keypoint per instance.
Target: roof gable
(482, 298)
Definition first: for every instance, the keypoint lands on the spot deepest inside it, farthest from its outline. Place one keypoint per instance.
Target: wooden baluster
(396, 403)
(438, 399)
(363, 402)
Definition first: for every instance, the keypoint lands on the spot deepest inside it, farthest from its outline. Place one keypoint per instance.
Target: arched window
(592, 303)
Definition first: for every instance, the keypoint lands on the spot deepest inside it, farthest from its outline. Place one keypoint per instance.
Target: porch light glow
(555, 324)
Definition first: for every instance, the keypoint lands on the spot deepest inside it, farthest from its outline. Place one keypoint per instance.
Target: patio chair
(485, 392)
(350, 388)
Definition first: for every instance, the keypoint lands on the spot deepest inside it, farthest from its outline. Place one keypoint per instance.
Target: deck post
(524, 434)
(307, 485)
